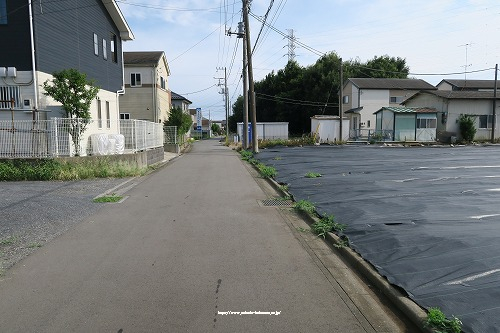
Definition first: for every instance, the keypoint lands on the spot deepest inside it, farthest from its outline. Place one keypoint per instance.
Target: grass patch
(8, 241)
(246, 155)
(34, 245)
(292, 142)
(51, 169)
(305, 206)
(266, 171)
(108, 198)
(437, 321)
(313, 175)
(325, 225)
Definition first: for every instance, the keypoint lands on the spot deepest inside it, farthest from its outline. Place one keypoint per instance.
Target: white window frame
(96, 45)
(108, 115)
(104, 49)
(396, 99)
(134, 80)
(489, 121)
(99, 114)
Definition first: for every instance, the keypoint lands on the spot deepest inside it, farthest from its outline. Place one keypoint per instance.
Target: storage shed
(407, 124)
(326, 129)
(267, 131)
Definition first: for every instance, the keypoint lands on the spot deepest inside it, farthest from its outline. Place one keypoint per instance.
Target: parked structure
(362, 97)
(266, 130)
(326, 129)
(146, 82)
(405, 124)
(451, 104)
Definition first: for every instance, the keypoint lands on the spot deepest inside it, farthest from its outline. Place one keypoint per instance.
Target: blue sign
(198, 128)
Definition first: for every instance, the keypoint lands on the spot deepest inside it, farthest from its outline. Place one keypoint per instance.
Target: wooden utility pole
(341, 100)
(494, 120)
(251, 92)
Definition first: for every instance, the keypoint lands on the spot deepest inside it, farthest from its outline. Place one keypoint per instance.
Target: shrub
(325, 225)
(305, 206)
(438, 321)
(467, 127)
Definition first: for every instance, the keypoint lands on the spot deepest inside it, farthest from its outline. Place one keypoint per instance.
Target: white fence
(70, 137)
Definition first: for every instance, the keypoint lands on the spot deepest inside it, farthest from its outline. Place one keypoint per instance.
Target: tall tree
(179, 119)
(75, 92)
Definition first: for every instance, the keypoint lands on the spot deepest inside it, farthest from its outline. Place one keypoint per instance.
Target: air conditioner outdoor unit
(3, 71)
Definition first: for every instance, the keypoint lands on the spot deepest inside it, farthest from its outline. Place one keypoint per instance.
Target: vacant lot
(427, 218)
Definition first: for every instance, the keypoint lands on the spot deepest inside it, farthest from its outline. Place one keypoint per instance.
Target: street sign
(199, 119)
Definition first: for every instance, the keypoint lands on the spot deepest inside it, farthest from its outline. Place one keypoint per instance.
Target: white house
(362, 97)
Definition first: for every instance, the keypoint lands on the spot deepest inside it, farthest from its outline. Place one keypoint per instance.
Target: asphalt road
(189, 250)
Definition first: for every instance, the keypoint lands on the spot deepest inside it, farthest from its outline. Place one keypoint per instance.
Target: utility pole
(225, 92)
(341, 113)
(241, 34)
(494, 120)
(253, 112)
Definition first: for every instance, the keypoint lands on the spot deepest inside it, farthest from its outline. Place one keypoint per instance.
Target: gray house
(450, 104)
(44, 37)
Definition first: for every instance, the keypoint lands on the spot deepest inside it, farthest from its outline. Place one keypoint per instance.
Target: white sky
(434, 36)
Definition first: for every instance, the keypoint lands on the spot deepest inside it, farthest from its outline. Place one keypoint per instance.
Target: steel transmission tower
(291, 44)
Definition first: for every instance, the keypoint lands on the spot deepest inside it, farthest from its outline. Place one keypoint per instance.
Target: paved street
(190, 250)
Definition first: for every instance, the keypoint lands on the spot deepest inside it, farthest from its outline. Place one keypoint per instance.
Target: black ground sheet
(428, 218)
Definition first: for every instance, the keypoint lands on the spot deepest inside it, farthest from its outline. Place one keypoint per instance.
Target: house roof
(354, 110)
(396, 84)
(401, 109)
(178, 97)
(119, 20)
(146, 58)
(470, 84)
(447, 94)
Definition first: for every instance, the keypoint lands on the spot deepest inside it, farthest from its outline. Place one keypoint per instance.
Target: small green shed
(408, 124)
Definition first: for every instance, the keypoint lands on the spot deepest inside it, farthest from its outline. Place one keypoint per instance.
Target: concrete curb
(412, 310)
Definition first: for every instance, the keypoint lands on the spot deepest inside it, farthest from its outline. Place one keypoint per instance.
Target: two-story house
(39, 38)
(466, 85)
(181, 102)
(148, 96)
(362, 97)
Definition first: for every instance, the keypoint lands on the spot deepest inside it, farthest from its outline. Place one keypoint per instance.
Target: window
(163, 83)
(124, 115)
(114, 51)
(135, 80)
(96, 45)
(99, 114)
(395, 99)
(485, 121)
(3, 11)
(108, 118)
(104, 49)
(427, 123)
(345, 99)
(368, 123)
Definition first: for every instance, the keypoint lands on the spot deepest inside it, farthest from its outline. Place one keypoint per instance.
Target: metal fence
(70, 137)
(371, 135)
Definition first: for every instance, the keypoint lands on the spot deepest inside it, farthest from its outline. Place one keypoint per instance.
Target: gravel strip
(33, 213)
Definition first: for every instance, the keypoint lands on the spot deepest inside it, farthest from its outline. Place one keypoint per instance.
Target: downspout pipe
(33, 60)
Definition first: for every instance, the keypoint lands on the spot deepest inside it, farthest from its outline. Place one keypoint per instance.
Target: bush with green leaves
(437, 321)
(467, 127)
(305, 206)
(325, 225)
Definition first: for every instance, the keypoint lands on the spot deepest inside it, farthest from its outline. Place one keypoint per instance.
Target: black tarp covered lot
(427, 218)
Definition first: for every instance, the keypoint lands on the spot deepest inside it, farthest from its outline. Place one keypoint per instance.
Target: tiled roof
(400, 109)
(460, 94)
(142, 58)
(402, 84)
(471, 84)
(178, 97)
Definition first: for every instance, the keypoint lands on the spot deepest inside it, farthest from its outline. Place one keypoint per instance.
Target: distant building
(362, 97)
(180, 101)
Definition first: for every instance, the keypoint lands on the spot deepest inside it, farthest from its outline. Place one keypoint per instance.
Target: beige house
(451, 104)
(181, 102)
(147, 95)
(362, 97)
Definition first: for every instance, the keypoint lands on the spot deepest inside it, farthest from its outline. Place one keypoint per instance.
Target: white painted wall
(328, 129)
(268, 130)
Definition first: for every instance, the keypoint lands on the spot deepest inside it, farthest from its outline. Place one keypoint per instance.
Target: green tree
(237, 116)
(216, 128)
(467, 127)
(180, 119)
(75, 92)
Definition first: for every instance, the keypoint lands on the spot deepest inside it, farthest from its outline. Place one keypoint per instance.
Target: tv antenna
(466, 58)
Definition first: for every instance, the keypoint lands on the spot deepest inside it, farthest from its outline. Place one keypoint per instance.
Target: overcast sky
(434, 36)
